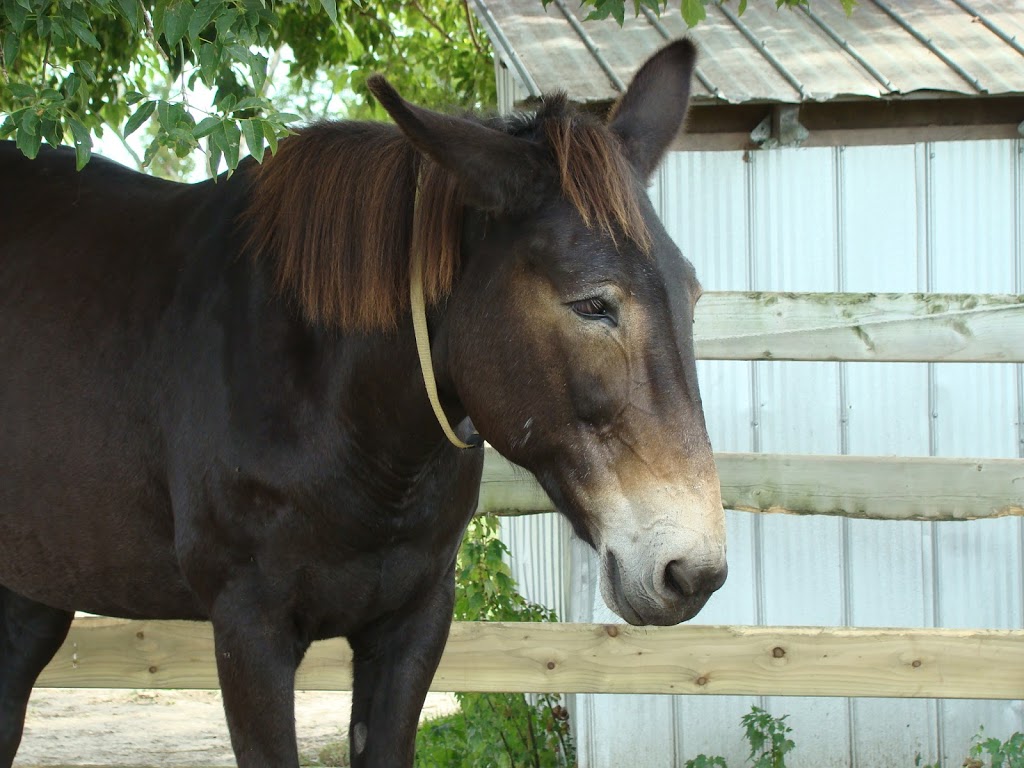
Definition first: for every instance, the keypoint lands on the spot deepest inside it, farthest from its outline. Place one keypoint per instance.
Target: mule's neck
(380, 396)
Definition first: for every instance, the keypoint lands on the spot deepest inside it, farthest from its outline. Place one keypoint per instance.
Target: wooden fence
(797, 661)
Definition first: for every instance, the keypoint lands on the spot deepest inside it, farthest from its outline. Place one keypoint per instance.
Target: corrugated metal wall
(927, 217)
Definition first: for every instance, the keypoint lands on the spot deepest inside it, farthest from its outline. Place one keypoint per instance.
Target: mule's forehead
(560, 243)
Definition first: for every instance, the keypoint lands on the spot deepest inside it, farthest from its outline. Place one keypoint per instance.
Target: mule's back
(89, 264)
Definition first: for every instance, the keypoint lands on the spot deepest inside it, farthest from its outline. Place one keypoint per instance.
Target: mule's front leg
(393, 665)
(258, 651)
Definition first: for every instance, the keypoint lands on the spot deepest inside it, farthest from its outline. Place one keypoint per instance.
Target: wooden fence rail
(876, 487)
(594, 658)
(895, 327)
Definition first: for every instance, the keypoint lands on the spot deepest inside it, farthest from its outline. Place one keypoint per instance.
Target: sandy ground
(165, 728)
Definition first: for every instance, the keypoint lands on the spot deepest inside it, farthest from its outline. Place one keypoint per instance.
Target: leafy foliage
(504, 730)
(703, 761)
(768, 738)
(77, 67)
(993, 753)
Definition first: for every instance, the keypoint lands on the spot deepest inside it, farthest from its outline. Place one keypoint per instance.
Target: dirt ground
(68, 727)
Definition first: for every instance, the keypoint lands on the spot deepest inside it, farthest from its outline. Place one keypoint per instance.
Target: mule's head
(569, 336)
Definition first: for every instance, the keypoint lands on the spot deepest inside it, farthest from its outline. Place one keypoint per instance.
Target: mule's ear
(651, 111)
(497, 172)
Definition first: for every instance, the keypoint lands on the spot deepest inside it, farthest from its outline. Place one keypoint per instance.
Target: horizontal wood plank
(875, 487)
(981, 328)
(588, 658)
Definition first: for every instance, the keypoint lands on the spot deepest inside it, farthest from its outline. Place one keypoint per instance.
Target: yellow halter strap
(419, 325)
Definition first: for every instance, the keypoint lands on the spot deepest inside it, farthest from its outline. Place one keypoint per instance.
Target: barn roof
(887, 50)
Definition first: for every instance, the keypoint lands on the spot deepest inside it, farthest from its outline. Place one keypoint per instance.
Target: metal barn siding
(928, 217)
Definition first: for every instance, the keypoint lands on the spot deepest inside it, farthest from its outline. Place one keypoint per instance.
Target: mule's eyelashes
(595, 308)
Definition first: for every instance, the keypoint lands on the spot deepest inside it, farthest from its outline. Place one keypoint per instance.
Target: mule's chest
(333, 561)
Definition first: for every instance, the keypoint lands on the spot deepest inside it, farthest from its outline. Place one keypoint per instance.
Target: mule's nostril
(678, 578)
(689, 581)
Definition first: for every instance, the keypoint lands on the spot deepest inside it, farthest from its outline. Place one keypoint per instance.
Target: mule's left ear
(497, 172)
(651, 111)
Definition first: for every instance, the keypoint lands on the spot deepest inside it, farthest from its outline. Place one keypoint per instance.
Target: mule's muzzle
(667, 594)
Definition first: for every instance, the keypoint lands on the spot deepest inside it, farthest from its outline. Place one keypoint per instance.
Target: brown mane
(341, 206)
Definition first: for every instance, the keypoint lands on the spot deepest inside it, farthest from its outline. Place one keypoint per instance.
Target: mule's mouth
(645, 605)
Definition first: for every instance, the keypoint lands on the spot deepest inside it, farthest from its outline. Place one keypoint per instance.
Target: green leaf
(331, 6)
(12, 46)
(253, 132)
(17, 15)
(176, 21)
(233, 138)
(85, 69)
(270, 133)
(206, 126)
(225, 21)
(28, 142)
(604, 8)
(258, 70)
(215, 155)
(83, 142)
(209, 63)
(743, 6)
(693, 12)
(142, 114)
(151, 150)
(83, 33)
(202, 16)
(71, 86)
(21, 90)
(130, 11)
(27, 120)
(133, 97)
(51, 130)
(249, 102)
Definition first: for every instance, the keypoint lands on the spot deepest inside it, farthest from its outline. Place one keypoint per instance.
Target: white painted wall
(927, 217)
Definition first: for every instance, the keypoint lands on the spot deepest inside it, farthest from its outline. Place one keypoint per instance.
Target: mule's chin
(641, 613)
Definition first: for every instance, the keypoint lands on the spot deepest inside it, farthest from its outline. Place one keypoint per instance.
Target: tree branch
(152, 35)
(430, 20)
(472, 31)
(46, 60)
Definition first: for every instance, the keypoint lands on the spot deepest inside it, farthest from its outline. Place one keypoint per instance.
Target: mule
(214, 406)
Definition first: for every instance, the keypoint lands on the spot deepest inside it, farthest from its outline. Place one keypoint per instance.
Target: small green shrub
(703, 761)
(993, 753)
(768, 739)
(504, 730)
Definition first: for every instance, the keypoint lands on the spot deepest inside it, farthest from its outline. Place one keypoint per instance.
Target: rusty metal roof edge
(927, 43)
(922, 94)
(499, 39)
(591, 46)
(843, 43)
(761, 48)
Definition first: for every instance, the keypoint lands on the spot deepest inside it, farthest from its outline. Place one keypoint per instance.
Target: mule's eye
(594, 309)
